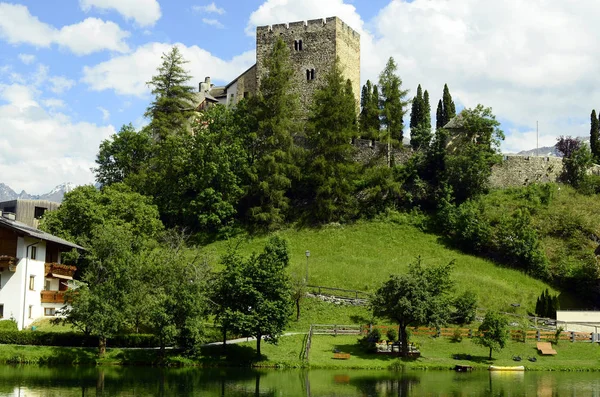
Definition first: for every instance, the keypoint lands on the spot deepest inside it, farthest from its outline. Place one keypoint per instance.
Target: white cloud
(18, 26)
(27, 59)
(209, 9)
(105, 113)
(41, 149)
(60, 84)
(53, 103)
(213, 22)
(143, 12)
(128, 74)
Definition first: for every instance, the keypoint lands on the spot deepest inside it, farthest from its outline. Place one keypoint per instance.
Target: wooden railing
(53, 296)
(59, 268)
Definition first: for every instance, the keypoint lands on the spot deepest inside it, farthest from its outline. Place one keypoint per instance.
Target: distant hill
(548, 151)
(56, 195)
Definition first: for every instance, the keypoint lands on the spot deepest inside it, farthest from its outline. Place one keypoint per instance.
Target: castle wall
(321, 41)
(244, 85)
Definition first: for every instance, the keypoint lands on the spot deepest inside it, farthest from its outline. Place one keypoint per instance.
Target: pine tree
(277, 109)
(439, 116)
(173, 99)
(420, 120)
(595, 136)
(416, 109)
(392, 102)
(332, 169)
(426, 112)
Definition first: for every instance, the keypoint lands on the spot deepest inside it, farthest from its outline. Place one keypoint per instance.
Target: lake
(126, 381)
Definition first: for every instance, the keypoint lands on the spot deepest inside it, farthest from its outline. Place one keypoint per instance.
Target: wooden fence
(515, 334)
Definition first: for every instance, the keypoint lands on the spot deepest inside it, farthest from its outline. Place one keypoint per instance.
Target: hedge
(73, 339)
(8, 325)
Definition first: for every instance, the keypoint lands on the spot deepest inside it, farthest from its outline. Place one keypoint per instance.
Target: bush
(465, 306)
(72, 339)
(8, 325)
(369, 342)
(457, 336)
(392, 335)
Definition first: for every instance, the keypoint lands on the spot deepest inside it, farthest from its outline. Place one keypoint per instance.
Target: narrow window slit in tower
(296, 45)
(299, 45)
(312, 74)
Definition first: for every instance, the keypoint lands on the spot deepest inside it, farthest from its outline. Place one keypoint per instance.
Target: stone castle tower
(314, 46)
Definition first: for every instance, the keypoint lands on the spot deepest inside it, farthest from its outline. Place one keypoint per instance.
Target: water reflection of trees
(402, 386)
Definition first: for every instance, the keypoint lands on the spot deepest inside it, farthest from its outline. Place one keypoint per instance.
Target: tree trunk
(101, 346)
(297, 309)
(224, 339)
(404, 340)
(258, 338)
(490, 353)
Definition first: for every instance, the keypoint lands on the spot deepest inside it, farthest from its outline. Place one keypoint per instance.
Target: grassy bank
(436, 353)
(362, 255)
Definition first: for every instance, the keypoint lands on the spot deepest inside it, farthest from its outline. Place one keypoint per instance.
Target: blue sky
(73, 72)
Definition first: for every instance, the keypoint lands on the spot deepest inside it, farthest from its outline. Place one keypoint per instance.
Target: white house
(32, 279)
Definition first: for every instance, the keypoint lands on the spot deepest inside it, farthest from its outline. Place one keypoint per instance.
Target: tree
(465, 306)
(493, 332)
(577, 159)
(475, 149)
(369, 114)
(420, 120)
(331, 166)
(439, 116)
(173, 102)
(274, 167)
(122, 155)
(392, 102)
(446, 109)
(417, 297)
(85, 208)
(595, 136)
(97, 305)
(258, 301)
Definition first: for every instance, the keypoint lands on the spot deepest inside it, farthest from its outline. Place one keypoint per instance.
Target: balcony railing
(60, 269)
(53, 296)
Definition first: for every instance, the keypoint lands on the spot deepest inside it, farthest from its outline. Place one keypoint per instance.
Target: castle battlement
(309, 25)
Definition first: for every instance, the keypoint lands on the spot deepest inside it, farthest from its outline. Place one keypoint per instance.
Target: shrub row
(72, 339)
(8, 325)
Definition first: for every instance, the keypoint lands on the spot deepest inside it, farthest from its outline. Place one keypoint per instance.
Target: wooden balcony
(59, 270)
(53, 296)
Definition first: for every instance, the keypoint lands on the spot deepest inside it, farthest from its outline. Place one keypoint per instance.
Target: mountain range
(55, 195)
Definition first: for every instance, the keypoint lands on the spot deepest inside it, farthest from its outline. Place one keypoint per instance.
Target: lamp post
(307, 253)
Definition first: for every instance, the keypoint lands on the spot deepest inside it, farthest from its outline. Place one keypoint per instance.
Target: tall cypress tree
(277, 109)
(595, 136)
(392, 102)
(332, 169)
(449, 108)
(439, 115)
(416, 109)
(369, 115)
(426, 121)
(420, 120)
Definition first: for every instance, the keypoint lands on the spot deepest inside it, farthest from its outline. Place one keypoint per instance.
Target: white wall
(15, 285)
(578, 316)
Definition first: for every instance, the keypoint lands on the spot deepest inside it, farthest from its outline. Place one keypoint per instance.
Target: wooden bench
(546, 348)
(341, 356)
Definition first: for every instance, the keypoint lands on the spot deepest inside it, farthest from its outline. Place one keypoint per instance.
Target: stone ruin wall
(322, 41)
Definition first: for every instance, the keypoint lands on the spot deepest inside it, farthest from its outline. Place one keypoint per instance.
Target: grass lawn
(362, 255)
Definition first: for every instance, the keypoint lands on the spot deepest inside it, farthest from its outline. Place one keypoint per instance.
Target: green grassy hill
(362, 255)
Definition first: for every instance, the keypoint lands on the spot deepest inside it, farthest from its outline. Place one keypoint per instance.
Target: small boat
(499, 368)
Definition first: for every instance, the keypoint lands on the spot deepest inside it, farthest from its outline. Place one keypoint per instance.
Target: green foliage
(369, 114)
(465, 308)
(273, 166)
(547, 305)
(123, 155)
(446, 110)
(369, 341)
(73, 339)
(331, 168)
(420, 120)
(576, 167)
(8, 325)
(457, 335)
(559, 331)
(595, 136)
(85, 210)
(493, 332)
(417, 297)
(392, 335)
(252, 296)
(173, 102)
(392, 102)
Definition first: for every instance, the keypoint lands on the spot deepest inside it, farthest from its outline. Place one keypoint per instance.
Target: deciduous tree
(392, 102)
(420, 296)
(493, 332)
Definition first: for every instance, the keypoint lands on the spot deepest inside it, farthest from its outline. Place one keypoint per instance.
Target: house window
(246, 94)
(9, 209)
(310, 74)
(31, 283)
(30, 311)
(33, 252)
(49, 311)
(38, 212)
(1, 311)
(47, 285)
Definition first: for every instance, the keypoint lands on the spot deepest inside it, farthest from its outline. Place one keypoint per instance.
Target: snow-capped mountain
(56, 194)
